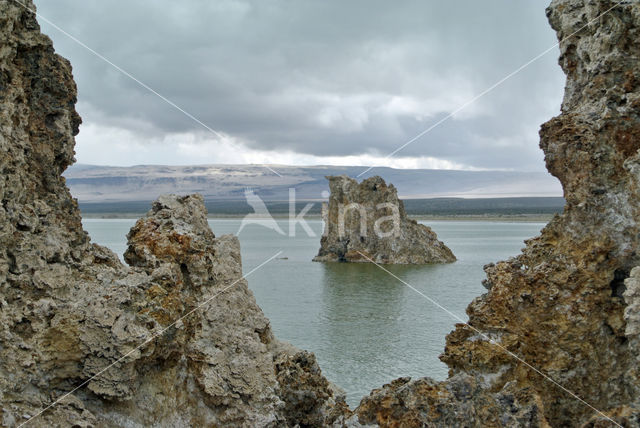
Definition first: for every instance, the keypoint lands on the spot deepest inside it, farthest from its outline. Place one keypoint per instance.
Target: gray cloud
(325, 78)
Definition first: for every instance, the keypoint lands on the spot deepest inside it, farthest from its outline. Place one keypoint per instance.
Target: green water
(365, 327)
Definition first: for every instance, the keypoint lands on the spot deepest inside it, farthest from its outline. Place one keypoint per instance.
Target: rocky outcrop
(460, 402)
(632, 312)
(310, 400)
(173, 339)
(561, 305)
(366, 221)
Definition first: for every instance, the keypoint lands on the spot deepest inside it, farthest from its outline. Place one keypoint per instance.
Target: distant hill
(101, 184)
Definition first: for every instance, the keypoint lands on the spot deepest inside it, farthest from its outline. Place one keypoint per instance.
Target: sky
(309, 82)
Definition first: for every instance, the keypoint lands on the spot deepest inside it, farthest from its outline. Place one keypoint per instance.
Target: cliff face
(561, 305)
(366, 221)
(174, 339)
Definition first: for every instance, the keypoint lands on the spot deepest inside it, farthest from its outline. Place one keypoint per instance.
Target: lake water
(365, 327)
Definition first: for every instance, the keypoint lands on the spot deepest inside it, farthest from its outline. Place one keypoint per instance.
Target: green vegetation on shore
(493, 209)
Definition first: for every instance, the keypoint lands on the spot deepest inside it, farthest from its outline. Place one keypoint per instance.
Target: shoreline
(522, 218)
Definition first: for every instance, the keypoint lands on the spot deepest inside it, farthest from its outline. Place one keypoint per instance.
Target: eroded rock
(310, 400)
(461, 401)
(174, 339)
(561, 305)
(366, 221)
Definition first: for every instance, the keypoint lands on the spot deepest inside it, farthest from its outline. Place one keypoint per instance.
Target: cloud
(99, 145)
(310, 81)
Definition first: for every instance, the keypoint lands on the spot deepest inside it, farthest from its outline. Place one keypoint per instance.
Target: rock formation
(562, 305)
(367, 221)
(174, 339)
(462, 401)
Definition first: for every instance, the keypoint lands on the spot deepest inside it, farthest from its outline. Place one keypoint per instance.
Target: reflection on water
(365, 327)
(366, 324)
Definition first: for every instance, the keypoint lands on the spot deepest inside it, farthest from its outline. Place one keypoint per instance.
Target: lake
(365, 327)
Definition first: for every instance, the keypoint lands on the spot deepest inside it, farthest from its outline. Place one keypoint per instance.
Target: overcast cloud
(307, 82)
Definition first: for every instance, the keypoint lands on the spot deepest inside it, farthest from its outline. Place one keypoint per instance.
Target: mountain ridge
(95, 183)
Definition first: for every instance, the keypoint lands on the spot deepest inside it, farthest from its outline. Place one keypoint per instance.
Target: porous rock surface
(562, 305)
(359, 227)
(173, 339)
